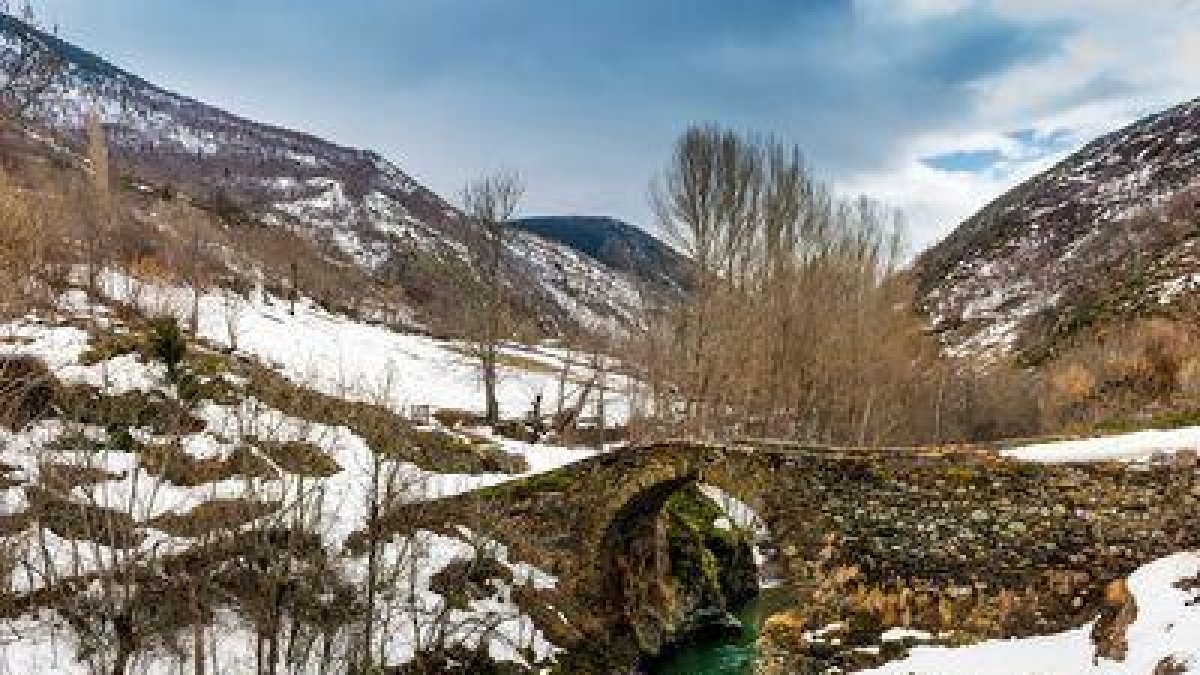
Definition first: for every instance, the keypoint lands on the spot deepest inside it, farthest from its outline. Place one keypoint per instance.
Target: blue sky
(935, 106)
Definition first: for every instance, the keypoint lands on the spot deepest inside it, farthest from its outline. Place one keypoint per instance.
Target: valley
(270, 405)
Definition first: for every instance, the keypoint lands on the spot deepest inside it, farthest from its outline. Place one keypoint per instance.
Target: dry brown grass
(1123, 371)
(27, 390)
(83, 522)
(13, 523)
(135, 409)
(180, 468)
(61, 477)
(299, 458)
(213, 516)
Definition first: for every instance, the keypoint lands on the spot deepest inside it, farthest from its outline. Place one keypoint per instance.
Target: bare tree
(99, 220)
(489, 204)
(234, 304)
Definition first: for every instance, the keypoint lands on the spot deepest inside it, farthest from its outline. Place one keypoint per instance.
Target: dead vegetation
(83, 522)
(1137, 374)
(298, 457)
(219, 515)
(799, 325)
(27, 390)
(61, 478)
(180, 468)
(387, 433)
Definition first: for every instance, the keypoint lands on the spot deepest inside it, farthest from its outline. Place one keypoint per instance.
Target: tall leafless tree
(99, 218)
(489, 203)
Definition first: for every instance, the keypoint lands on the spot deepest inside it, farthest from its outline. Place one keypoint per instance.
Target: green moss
(696, 510)
(715, 563)
(556, 481)
(964, 475)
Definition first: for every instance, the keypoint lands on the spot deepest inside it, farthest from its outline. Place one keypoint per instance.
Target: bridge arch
(629, 542)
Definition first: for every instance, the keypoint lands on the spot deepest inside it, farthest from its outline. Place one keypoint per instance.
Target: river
(724, 655)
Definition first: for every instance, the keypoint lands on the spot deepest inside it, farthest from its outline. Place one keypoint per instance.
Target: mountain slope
(355, 205)
(1107, 234)
(614, 243)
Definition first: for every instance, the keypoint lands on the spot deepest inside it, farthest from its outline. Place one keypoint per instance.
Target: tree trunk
(123, 627)
(294, 287)
(197, 634)
(492, 405)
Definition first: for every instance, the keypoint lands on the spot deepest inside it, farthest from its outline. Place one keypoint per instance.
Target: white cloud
(1122, 60)
(910, 10)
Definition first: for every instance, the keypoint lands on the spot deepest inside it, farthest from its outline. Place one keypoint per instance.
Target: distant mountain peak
(616, 244)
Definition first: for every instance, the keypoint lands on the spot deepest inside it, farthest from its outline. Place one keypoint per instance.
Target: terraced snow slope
(314, 349)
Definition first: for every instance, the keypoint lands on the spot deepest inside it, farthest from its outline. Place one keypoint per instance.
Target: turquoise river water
(724, 656)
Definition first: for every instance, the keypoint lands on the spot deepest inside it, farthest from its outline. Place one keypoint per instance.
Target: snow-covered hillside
(345, 358)
(315, 350)
(1105, 232)
(354, 204)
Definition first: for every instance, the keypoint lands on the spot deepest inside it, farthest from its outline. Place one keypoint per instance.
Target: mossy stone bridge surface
(929, 539)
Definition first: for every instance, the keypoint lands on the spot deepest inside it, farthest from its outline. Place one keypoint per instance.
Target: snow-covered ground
(315, 349)
(358, 361)
(1167, 626)
(342, 357)
(1128, 447)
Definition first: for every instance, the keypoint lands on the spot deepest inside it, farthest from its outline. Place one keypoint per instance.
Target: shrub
(168, 344)
(27, 390)
(1188, 377)
(1072, 384)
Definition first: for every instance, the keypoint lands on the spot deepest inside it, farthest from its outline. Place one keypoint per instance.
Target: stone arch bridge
(923, 538)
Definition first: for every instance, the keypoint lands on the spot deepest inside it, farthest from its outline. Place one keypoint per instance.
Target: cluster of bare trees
(800, 324)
